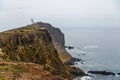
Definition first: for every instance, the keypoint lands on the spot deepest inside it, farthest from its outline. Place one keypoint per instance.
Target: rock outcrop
(101, 72)
(55, 33)
(118, 73)
(58, 40)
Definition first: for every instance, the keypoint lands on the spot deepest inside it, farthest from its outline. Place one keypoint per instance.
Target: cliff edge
(58, 40)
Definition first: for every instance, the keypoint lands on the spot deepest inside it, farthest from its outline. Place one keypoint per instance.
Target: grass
(11, 69)
(15, 69)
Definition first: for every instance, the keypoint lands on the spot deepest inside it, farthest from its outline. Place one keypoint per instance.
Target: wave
(91, 47)
(86, 78)
(82, 52)
(83, 78)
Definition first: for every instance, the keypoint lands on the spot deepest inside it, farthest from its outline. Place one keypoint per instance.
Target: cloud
(61, 12)
(63, 7)
(1, 4)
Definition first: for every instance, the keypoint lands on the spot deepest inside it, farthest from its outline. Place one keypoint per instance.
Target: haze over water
(98, 47)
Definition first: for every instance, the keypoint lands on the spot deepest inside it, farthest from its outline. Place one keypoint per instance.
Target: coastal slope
(58, 40)
(33, 44)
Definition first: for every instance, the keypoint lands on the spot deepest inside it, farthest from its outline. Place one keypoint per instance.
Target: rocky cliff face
(56, 34)
(33, 43)
(58, 40)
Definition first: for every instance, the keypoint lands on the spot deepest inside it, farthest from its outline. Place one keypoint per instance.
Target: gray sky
(60, 13)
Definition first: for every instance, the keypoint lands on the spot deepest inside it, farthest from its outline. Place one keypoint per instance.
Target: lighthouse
(32, 21)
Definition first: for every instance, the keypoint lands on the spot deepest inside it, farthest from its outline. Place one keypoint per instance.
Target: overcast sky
(60, 13)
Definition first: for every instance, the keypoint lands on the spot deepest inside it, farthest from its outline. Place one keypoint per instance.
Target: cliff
(57, 39)
(33, 43)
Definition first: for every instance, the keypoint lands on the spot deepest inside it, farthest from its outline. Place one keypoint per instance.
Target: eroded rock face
(55, 33)
(31, 44)
(58, 40)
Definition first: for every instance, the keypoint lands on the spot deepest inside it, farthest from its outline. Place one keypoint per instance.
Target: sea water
(99, 47)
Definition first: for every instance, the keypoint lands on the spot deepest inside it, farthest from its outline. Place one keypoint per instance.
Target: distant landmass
(35, 52)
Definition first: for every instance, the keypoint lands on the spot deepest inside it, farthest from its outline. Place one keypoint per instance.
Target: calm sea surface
(98, 47)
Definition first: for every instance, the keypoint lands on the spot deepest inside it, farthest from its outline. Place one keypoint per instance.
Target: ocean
(98, 47)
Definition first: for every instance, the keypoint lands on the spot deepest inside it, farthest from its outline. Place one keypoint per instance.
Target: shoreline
(91, 73)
